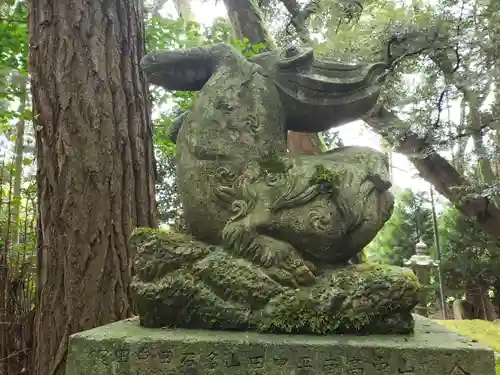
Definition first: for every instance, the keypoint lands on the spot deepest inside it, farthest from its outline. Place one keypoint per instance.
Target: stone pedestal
(125, 348)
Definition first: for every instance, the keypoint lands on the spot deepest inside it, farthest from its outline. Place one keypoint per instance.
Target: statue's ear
(177, 70)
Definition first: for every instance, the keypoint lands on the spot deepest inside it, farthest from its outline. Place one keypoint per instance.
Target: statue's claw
(301, 271)
(304, 276)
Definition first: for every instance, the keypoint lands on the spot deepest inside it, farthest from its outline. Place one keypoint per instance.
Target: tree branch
(246, 20)
(434, 168)
(298, 17)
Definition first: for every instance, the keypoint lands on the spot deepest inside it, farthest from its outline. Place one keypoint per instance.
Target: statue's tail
(188, 69)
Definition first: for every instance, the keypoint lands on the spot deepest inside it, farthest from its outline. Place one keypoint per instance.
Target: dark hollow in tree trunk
(95, 164)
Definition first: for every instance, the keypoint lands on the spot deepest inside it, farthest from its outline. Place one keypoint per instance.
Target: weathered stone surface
(278, 231)
(238, 185)
(125, 348)
(181, 282)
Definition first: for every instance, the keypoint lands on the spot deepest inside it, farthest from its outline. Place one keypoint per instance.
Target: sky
(353, 134)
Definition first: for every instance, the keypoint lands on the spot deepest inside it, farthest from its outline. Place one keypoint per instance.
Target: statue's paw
(302, 271)
(286, 265)
(280, 259)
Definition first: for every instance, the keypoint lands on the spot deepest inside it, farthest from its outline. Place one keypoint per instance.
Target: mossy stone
(180, 282)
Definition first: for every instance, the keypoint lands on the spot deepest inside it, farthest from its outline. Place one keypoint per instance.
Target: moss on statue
(327, 180)
(358, 298)
(182, 300)
(157, 252)
(272, 163)
(180, 282)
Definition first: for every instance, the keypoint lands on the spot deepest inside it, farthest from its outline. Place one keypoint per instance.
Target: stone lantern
(422, 264)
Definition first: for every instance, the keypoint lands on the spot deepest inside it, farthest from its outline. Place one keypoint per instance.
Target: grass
(482, 331)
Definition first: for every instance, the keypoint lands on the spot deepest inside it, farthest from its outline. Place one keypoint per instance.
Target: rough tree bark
(473, 100)
(95, 172)
(246, 20)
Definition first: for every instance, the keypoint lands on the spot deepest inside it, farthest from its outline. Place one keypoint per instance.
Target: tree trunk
(305, 143)
(472, 99)
(95, 174)
(246, 20)
(459, 161)
(387, 150)
(496, 296)
(476, 294)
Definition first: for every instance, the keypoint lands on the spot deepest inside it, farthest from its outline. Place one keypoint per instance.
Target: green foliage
(248, 49)
(14, 37)
(13, 63)
(410, 221)
(467, 253)
(13, 76)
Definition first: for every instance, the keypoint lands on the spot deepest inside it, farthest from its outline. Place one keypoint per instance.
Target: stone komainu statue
(271, 235)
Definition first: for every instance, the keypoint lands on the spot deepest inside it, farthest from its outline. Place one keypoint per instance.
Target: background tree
(16, 193)
(471, 263)
(95, 173)
(410, 222)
